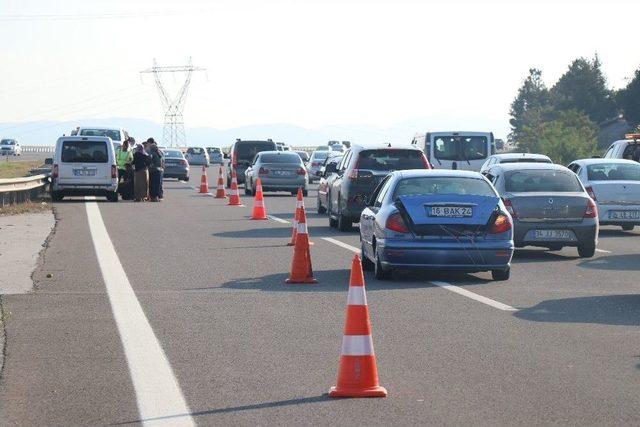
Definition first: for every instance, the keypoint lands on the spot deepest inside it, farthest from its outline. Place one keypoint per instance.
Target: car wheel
(321, 209)
(56, 197)
(586, 251)
(379, 272)
(344, 223)
(247, 192)
(305, 192)
(367, 264)
(332, 221)
(112, 196)
(501, 274)
(628, 227)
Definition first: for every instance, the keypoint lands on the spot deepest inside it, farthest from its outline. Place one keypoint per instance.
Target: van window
(460, 148)
(245, 151)
(614, 172)
(628, 151)
(113, 134)
(84, 152)
(390, 159)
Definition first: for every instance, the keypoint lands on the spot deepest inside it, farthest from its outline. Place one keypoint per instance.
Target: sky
(424, 65)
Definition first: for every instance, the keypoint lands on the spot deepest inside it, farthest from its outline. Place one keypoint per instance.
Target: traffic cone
(301, 270)
(204, 185)
(234, 197)
(357, 373)
(220, 193)
(294, 230)
(259, 211)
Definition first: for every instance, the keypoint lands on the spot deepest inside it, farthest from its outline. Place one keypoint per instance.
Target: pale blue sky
(309, 63)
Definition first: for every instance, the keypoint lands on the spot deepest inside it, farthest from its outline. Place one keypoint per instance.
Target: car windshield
(541, 181)
(172, 153)
(280, 158)
(7, 142)
(195, 150)
(303, 155)
(113, 134)
(84, 152)
(213, 150)
(460, 148)
(391, 159)
(613, 172)
(246, 151)
(443, 185)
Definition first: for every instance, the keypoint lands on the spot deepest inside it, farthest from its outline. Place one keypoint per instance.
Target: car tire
(112, 196)
(305, 192)
(321, 209)
(628, 227)
(367, 264)
(56, 196)
(586, 251)
(247, 192)
(500, 275)
(379, 272)
(344, 223)
(333, 223)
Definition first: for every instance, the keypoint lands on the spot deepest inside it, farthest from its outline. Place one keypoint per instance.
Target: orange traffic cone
(204, 185)
(358, 373)
(234, 197)
(294, 230)
(301, 270)
(259, 211)
(220, 193)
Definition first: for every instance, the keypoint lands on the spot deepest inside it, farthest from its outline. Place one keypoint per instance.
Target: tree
(569, 136)
(584, 88)
(629, 100)
(532, 96)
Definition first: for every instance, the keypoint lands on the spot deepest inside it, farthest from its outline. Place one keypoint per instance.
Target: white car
(117, 135)
(614, 184)
(624, 148)
(84, 166)
(197, 156)
(10, 147)
(514, 158)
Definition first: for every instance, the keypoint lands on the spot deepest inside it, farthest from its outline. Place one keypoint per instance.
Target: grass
(23, 208)
(16, 168)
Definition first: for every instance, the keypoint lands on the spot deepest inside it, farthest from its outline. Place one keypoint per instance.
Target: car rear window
(213, 150)
(443, 185)
(195, 150)
(391, 159)
(7, 142)
(84, 152)
(247, 150)
(303, 155)
(526, 160)
(280, 158)
(113, 134)
(173, 153)
(614, 172)
(541, 181)
(320, 155)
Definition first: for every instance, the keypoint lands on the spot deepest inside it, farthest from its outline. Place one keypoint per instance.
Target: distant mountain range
(46, 132)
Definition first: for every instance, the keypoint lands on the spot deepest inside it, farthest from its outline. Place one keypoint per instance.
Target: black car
(241, 155)
(358, 174)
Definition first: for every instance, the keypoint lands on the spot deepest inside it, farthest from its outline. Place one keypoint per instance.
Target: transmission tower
(173, 132)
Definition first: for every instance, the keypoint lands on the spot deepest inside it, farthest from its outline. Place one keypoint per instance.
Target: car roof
(519, 155)
(383, 146)
(85, 138)
(99, 128)
(599, 160)
(444, 173)
(279, 153)
(529, 166)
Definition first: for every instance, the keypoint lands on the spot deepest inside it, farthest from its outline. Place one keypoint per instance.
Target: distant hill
(46, 132)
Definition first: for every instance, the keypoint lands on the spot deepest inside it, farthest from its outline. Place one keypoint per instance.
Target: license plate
(624, 214)
(84, 172)
(551, 234)
(282, 173)
(451, 211)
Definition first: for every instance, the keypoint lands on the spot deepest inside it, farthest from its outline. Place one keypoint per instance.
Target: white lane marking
(474, 296)
(158, 393)
(275, 218)
(444, 285)
(603, 251)
(342, 244)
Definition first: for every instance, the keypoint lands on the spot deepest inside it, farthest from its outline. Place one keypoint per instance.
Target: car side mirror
(48, 161)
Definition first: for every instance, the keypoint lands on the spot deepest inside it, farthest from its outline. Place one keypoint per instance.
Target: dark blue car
(436, 219)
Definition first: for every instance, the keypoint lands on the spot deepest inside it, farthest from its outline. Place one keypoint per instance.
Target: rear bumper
(171, 172)
(584, 234)
(483, 256)
(84, 189)
(605, 213)
(270, 184)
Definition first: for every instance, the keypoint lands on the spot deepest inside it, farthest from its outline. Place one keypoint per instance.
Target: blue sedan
(436, 219)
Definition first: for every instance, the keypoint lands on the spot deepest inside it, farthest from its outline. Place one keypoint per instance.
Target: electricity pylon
(173, 132)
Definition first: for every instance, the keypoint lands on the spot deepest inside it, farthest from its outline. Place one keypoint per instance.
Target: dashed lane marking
(158, 394)
(275, 218)
(455, 289)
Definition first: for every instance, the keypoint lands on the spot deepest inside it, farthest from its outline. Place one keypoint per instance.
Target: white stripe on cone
(259, 203)
(357, 345)
(302, 228)
(356, 296)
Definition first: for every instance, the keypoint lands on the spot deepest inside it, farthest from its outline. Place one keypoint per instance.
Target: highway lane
(246, 348)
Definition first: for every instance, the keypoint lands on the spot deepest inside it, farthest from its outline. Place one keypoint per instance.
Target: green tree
(629, 100)
(584, 88)
(569, 136)
(532, 97)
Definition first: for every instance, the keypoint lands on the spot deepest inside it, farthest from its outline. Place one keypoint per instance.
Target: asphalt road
(558, 343)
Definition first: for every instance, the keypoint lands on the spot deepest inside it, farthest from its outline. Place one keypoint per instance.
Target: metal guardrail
(38, 148)
(20, 190)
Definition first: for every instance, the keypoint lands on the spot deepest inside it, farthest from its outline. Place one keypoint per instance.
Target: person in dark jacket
(156, 171)
(141, 163)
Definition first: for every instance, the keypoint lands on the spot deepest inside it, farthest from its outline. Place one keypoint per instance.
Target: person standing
(124, 159)
(156, 171)
(141, 163)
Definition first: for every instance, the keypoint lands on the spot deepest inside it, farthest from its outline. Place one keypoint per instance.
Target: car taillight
(263, 171)
(510, 209)
(396, 223)
(591, 193)
(425, 162)
(114, 172)
(501, 224)
(234, 160)
(592, 210)
(54, 172)
(301, 171)
(183, 162)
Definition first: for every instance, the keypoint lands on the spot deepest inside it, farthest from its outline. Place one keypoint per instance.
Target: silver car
(278, 171)
(316, 162)
(175, 164)
(549, 206)
(197, 156)
(215, 155)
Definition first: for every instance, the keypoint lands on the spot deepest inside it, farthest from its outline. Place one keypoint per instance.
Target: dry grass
(16, 169)
(22, 208)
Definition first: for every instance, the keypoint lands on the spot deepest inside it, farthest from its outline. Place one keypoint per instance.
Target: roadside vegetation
(16, 168)
(35, 206)
(578, 117)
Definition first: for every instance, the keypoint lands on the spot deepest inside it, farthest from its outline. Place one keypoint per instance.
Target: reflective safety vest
(123, 158)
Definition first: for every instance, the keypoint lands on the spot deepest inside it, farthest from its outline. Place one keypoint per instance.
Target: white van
(624, 148)
(117, 135)
(84, 166)
(456, 150)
